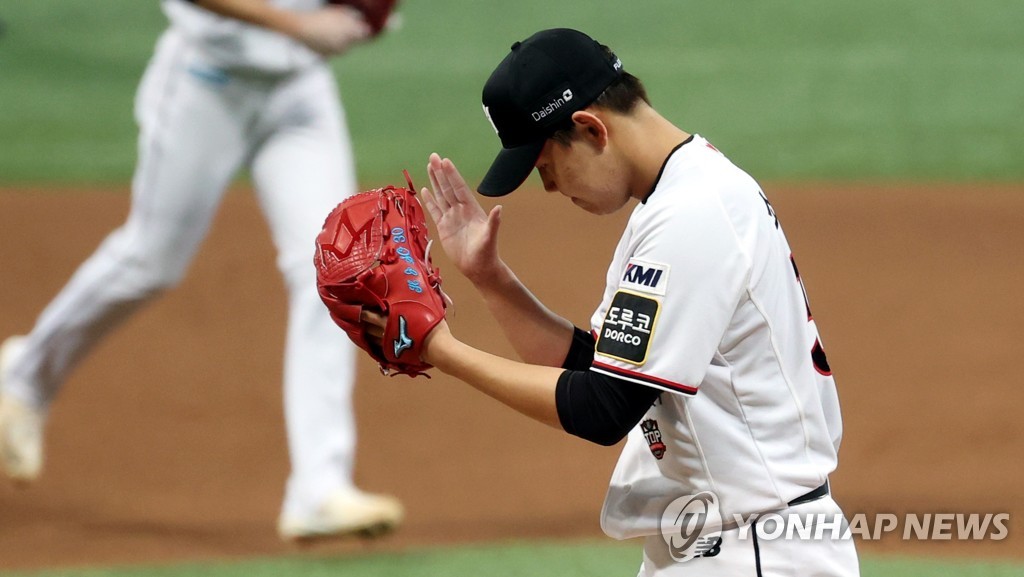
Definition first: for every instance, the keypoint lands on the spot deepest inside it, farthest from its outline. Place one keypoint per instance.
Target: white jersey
(703, 302)
(234, 45)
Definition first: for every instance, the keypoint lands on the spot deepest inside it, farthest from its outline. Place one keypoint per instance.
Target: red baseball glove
(376, 12)
(374, 253)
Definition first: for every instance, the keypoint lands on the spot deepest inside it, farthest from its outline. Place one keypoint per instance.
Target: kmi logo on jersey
(645, 276)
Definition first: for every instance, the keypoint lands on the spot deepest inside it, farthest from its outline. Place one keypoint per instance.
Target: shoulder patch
(628, 327)
(644, 276)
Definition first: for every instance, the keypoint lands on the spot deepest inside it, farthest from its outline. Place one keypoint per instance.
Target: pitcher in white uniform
(231, 85)
(702, 353)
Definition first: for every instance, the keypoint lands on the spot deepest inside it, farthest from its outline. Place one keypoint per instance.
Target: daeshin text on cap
(542, 81)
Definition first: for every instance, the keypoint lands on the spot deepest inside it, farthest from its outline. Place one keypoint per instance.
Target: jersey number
(817, 352)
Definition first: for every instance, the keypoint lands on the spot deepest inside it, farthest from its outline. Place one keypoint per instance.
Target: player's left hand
(374, 323)
(468, 234)
(373, 254)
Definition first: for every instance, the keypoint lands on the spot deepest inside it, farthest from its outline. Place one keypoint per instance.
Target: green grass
(792, 89)
(499, 560)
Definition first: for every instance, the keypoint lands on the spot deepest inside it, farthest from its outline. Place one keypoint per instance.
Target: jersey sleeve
(673, 296)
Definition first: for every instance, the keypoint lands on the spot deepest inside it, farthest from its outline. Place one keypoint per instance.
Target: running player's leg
(302, 171)
(189, 147)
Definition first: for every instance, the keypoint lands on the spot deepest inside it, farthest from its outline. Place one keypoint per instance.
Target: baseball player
(233, 84)
(702, 354)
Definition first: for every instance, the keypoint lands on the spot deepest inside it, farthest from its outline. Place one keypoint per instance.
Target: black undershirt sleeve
(596, 407)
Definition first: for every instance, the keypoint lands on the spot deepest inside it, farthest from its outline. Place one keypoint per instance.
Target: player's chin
(581, 203)
(591, 207)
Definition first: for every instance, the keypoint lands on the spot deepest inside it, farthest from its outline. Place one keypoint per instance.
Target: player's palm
(467, 233)
(469, 240)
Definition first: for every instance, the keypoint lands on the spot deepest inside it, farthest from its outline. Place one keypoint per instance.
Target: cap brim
(510, 169)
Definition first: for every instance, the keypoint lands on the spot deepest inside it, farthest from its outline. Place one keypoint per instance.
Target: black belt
(812, 496)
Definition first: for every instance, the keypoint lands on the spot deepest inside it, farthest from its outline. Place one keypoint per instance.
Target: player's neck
(647, 138)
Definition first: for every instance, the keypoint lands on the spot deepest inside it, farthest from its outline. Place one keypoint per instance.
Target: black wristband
(581, 351)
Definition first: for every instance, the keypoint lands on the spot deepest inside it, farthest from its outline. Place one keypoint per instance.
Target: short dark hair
(621, 96)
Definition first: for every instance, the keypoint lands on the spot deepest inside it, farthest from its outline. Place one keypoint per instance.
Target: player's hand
(468, 234)
(332, 30)
(374, 324)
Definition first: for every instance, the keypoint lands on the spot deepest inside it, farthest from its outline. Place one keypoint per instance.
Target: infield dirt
(168, 442)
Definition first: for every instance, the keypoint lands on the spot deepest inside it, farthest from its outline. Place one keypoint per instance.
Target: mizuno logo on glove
(403, 341)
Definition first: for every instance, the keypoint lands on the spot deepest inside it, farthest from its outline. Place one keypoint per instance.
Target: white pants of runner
(755, 551)
(198, 127)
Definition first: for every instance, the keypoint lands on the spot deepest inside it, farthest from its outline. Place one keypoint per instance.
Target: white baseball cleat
(21, 426)
(345, 513)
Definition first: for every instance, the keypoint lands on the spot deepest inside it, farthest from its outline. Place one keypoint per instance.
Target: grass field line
(565, 559)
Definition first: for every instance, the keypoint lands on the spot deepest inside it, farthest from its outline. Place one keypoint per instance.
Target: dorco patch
(628, 327)
(645, 276)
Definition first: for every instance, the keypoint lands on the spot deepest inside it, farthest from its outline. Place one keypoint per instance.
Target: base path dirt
(168, 441)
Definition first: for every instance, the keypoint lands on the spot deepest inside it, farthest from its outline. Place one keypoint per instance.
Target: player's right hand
(468, 234)
(332, 30)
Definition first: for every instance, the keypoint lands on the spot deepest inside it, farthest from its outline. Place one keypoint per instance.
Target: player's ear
(591, 128)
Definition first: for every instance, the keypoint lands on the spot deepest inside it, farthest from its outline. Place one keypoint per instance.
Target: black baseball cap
(542, 81)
